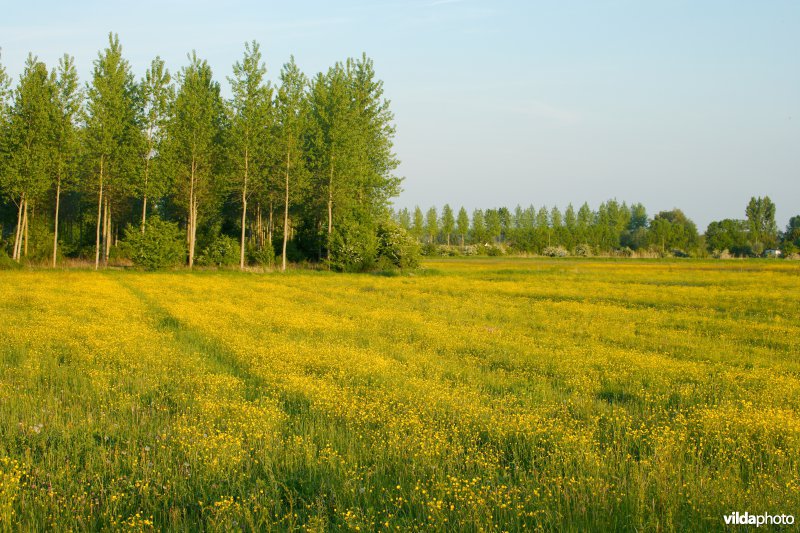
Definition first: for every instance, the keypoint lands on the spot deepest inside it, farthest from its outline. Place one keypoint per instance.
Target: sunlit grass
(478, 394)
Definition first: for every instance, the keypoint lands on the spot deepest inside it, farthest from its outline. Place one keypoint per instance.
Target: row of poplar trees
(295, 160)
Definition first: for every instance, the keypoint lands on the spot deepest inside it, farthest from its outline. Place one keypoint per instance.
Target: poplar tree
(68, 101)
(156, 95)
(448, 222)
(5, 94)
(418, 225)
(250, 125)
(432, 225)
(493, 227)
(334, 150)
(112, 135)
(30, 145)
(194, 134)
(761, 219)
(376, 183)
(462, 224)
(291, 114)
(478, 226)
(404, 219)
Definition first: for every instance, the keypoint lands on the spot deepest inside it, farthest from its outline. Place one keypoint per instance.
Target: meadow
(485, 394)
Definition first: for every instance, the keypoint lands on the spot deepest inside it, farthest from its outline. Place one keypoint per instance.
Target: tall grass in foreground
(502, 395)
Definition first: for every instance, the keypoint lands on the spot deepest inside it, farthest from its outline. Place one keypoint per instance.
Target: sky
(692, 104)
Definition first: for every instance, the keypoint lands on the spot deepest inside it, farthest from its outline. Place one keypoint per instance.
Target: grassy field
(482, 394)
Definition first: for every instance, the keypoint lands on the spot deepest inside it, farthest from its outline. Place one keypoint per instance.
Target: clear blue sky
(675, 103)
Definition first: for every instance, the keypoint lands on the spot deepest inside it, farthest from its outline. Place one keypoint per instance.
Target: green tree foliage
(448, 223)
(672, 230)
(761, 218)
(30, 146)
(479, 234)
(462, 225)
(493, 225)
(156, 95)
(162, 244)
(396, 247)
(195, 142)
(68, 102)
(404, 219)
(791, 237)
(431, 225)
(334, 148)
(222, 250)
(112, 137)
(418, 224)
(730, 235)
(251, 129)
(292, 116)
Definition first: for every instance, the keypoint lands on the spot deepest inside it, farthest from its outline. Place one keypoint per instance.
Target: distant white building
(772, 253)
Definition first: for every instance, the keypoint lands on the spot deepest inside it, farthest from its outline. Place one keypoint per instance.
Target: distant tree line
(613, 228)
(163, 169)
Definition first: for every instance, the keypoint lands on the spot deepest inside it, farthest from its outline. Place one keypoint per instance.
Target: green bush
(261, 256)
(555, 251)
(353, 248)
(6, 263)
(396, 248)
(221, 251)
(161, 245)
(492, 250)
(583, 250)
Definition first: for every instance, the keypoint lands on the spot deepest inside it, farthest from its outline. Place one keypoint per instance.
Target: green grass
(480, 394)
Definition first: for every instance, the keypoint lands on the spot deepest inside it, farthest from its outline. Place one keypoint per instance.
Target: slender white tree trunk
(286, 212)
(191, 232)
(18, 234)
(99, 219)
(107, 233)
(330, 209)
(55, 222)
(25, 228)
(270, 223)
(244, 210)
(144, 194)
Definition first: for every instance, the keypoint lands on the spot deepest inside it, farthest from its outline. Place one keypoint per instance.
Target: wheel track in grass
(189, 339)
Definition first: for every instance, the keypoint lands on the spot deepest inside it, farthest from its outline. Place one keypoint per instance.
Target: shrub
(161, 245)
(6, 263)
(262, 256)
(555, 251)
(583, 250)
(221, 251)
(429, 250)
(353, 248)
(396, 248)
(492, 250)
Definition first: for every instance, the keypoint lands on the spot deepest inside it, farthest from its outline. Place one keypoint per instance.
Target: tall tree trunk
(259, 227)
(270, 223)
(144, 194)
(191, 232)
(55, 221)
(25, 228)
(244, 211)
(107, 233)
(286, 213)
(18, 234)
(330, 210)
(144, 211)
(99, 219)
